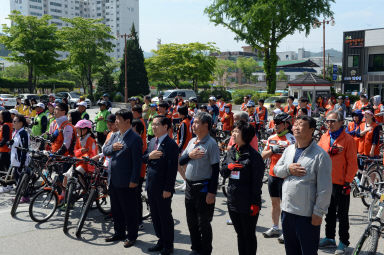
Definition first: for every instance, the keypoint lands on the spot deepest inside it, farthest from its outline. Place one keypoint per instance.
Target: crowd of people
(152, 142)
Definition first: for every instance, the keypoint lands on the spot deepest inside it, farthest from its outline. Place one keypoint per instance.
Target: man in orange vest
(347, 103)
(363, 102)
(378, 109)
(290, 108)
(262, 112)
(343, 152)
(244, 104)
(275, 147)
(353, 128)
(303, 103)
(227, 119)
(63, 133)
(220, 104)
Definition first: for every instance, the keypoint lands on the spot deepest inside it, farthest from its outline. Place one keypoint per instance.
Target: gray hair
(204, 117)
(242, 116)
(340, 115)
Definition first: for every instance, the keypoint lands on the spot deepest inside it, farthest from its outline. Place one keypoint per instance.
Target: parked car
(73, 98)
(171, 94)
(30, 96)
(7, 101)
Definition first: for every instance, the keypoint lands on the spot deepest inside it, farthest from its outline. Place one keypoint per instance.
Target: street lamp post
(125, 36)
(318, 24)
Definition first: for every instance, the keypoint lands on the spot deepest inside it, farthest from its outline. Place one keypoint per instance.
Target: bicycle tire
(68, 207)
(103, 199)
(19, 193)
(84, 212)
(224, 187)
(50, 194)
(367, 244)
(375, 172)
(146, 208)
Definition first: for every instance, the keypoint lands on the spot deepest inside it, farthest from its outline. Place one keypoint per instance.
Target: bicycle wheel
(103, 200)
(43, 205)
(146, 209)
(20, 191)
(373, 176)
(224, 186)
(367, 244)
(85, 211)
(69, 203)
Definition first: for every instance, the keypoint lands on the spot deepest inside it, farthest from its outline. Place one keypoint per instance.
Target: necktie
(156, 143)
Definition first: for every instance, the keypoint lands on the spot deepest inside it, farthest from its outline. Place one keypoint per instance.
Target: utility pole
(318, 24)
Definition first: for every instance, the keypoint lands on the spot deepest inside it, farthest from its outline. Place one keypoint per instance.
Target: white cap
(82, 103)
(13, 111)
(277, 111)
(212, 98)
(41, 105)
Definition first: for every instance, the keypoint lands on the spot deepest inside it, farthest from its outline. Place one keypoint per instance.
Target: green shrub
(5, 91)
(118, 98)
(61, 90)
(239, 94)
(12, 84)
(203, 96)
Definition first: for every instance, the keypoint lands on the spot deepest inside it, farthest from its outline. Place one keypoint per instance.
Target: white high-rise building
(119, 15)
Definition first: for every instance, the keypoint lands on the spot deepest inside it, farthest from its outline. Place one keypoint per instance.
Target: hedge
(12, 84)
(183, 85)
(239, 94)
(204, 95)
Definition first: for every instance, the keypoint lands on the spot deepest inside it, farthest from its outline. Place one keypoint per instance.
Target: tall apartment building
(119, 15)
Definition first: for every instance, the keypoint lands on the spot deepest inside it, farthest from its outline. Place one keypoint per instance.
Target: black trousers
(300, 236)
(124, 211)
(161, 214)
(5, 161)
(199, 217)
(101, 138)
(139, 189)
(338, 209)
(245, 227)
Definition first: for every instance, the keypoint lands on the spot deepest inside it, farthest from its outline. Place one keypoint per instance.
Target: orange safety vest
(227, 121)
(287, 108)
(243, 107)
(188, 135)
(284, 141)
(347, 102)
(365, 142)
(56, 145)
(220, 105)
(343, 156)
(5, 147)
(175, 113)
(91, 145)
(351, 127)
(261, 116)
(359, 105)
(329, 108)
(379, 119)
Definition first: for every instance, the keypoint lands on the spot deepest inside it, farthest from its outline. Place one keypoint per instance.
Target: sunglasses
(331, 121)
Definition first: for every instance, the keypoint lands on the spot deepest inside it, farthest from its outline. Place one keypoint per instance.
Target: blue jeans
(300, 236)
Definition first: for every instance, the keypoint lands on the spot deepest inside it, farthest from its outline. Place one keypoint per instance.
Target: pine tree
(137, 79)
(106, 82)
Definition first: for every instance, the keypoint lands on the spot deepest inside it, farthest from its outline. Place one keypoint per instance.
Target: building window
(376, 63)
(55, 4)
(36, 1)
(354, 61)
(35, 7)
(36, 14)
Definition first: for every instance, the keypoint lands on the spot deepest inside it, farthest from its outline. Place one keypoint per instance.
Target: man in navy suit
(161, 157)
(125, 167)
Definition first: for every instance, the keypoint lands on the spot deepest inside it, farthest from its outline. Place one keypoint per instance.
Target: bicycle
(371, 176)
(369, 240)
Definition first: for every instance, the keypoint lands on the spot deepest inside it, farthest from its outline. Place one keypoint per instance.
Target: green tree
(282, 76)
(106, 83)
(264, 23)
(87, 41)
(173, 63)
(33, 42)
(19, 71)
(247, 67)
(137, 78)
(222, 69)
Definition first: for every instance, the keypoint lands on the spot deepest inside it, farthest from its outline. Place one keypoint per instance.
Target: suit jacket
(125, 164)
(161, 173)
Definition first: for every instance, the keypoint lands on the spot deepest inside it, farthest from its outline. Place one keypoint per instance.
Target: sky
(184, 21)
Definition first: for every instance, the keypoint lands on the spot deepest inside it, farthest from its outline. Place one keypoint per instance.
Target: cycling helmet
(84, 124)
(250, 103)
(358, 113)
(281, 117)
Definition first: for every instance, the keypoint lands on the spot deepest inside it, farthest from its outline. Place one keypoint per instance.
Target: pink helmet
(84, 124)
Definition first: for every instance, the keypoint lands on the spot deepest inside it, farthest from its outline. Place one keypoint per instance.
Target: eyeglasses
(330, 121)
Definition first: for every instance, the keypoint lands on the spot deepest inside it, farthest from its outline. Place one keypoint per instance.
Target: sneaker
(327, 243)
(341, 248)
(272, 232)
(5, 189)
(281, 239)
(24, 200)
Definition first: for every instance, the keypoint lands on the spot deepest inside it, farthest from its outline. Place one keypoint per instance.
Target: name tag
(235, 175)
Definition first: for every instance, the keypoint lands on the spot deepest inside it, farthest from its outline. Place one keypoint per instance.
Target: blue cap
(251, 104)
(106, 95)
(153, 105)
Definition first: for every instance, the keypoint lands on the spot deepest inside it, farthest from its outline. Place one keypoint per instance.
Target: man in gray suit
(125, 167)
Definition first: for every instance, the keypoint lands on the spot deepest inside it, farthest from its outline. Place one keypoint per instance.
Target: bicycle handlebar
(374, 192)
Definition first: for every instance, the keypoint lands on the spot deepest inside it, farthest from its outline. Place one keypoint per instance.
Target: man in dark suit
(162, 159)
(125, 166)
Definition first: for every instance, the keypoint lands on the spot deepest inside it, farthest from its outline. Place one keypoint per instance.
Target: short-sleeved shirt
(201, 169)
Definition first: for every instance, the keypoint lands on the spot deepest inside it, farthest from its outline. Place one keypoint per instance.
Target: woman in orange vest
(353, 128)
(184, 133)
(369, 136)
(378, 109)
(227, 118)
(330, 106)
(5, 136)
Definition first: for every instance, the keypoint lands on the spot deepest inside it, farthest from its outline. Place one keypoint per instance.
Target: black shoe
(129, 243)
(157, 247)
(194, 253)
(166, 251)
(114, 238)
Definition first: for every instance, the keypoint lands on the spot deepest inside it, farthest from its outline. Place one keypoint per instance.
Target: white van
(171, 94)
